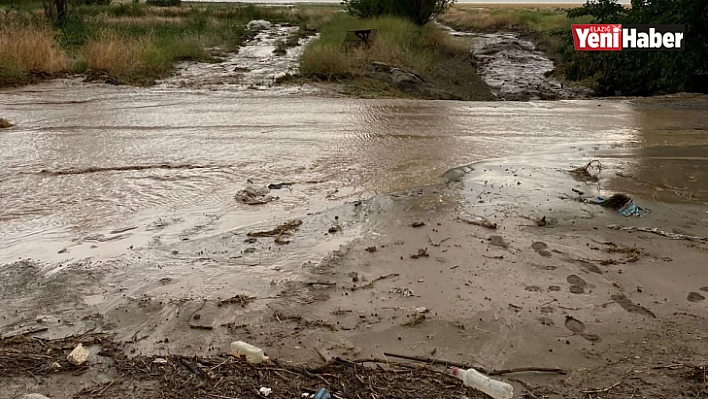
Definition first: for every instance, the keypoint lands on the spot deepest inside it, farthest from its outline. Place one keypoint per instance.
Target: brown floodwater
(94, 170)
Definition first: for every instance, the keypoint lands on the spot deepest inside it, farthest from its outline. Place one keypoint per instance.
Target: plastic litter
(265, 391)
(322, 393)
(252, 353)
(623, 204)
(473, 378)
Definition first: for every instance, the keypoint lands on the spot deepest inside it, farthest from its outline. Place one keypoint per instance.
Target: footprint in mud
(554, 288)
(629, 306)
(577, 284)
(695, 297)
(541, 248)
(704, 289)
(498, 241)
(574, 325)
(533, 288)
(577, 327)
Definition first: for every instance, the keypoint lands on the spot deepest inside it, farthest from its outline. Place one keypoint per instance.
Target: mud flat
(500, 263)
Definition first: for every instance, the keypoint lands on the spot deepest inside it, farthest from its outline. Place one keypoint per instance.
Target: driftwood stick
(480, 369)
(435, 361)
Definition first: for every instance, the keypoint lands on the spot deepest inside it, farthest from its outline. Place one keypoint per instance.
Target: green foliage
(643, 72)
(418, 11)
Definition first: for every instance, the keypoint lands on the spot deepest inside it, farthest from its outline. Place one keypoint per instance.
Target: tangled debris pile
(623, 204)
(589, 172)
(227, 376)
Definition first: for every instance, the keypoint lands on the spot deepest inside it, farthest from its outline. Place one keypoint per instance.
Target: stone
(259, 24)
(4, 124)
(381, 66)
(403, 79)
(78, 356)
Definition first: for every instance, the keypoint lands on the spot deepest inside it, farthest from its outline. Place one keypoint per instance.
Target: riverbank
(136, 44)
(128, 43)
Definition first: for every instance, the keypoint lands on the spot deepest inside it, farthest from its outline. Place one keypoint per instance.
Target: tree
(644, 72)
(418, 11)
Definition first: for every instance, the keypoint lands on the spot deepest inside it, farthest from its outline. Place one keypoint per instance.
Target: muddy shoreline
(124, 226)
(549, 285)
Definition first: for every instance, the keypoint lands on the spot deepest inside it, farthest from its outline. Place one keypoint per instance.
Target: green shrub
(418, 11)
(163, 3)
(642, 72)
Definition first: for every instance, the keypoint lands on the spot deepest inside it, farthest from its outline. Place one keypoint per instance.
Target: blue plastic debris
(623, 204)
(322, 394)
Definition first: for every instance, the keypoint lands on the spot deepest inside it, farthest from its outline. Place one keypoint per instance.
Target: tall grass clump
(115, 55)
(29, 49)
(399, 42)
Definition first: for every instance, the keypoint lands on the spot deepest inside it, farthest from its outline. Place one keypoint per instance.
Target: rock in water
(259, 24)
(4, 124)
(78, 356)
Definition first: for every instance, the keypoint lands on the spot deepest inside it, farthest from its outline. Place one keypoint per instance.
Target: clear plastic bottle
(473, 378)
(252, 353)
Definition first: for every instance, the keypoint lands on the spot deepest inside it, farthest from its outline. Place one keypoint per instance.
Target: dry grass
(508, 18)
(147, 21)
(115, 55)
(441, 41)
(325, 60)
(399, 43)
(480, 20)
(316, 17)
(32, 48)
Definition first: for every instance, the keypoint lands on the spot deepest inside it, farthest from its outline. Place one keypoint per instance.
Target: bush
(163, 3)
(31, 49)
(418, 11)
(643, 72)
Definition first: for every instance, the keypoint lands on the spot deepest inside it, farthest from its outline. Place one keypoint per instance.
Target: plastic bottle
(473, 378)
(252, 353)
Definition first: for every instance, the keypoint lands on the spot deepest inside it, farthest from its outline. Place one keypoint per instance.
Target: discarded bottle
(473, 378)
(252, 353)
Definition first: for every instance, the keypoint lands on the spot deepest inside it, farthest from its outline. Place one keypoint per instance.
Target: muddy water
(514, 69)
(255, 66)
(103, 172)
(84, 161)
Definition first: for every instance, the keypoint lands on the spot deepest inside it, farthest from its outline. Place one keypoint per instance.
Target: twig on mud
(327, 283)
(219, 396)
(437, 244)
(110, 384)
(546, 303)
(529, 388)
(481, 369)
(371, 283)
(194, 369)
(27, 332)
(603, 390)
(673, 236)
